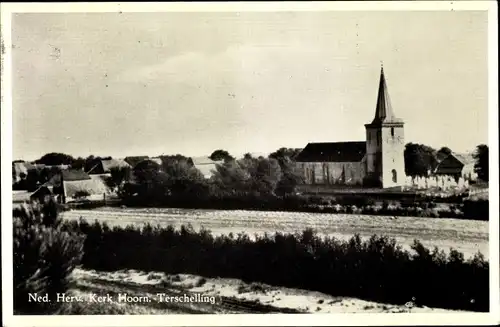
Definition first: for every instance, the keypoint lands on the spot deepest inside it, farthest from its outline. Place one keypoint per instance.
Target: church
(376, 162)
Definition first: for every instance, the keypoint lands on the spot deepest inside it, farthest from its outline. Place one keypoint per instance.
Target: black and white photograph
(291, 163)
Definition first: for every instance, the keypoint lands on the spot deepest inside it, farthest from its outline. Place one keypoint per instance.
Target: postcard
(250, 163)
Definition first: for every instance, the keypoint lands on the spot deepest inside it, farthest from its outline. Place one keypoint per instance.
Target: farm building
(76, 185)
(133, 161)
(20, 170)
(205, 165)
(379, 160)
(456, 166)
(157, 160)
(41, 194)
(104, 166)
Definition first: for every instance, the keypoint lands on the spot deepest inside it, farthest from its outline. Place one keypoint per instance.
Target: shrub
(375, 269)
(476, 209)
(44, 257)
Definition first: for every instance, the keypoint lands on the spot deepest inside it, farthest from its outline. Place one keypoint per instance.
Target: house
(42, 194)
(456, 165)
(104, 166)
(133, 161)
(20, 171)
(76, 185)
(377, 161)
(20, 196)
(206, 165)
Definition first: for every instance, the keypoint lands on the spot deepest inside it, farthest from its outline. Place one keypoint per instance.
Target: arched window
(394, 176)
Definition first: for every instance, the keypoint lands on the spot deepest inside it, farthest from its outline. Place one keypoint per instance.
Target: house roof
(207, 170)
(206, 165)
(134, 160)
(453, 163)
(157, 160)
(440, 156)
(465, 158)
(109, 164)
(22, 167)
(205, 160)
(333, 152)
(68, 175)
(91, 186)
(74, 175)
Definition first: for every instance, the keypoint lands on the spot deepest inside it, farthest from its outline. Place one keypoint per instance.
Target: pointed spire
(384, 112)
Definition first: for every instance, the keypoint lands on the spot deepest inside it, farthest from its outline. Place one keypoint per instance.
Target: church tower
(385, 145)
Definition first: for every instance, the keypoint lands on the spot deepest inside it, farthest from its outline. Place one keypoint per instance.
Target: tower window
(392, 131)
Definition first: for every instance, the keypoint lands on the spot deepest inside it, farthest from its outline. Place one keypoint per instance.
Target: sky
(189, 83)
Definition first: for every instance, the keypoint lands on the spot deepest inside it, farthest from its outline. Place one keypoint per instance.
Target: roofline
(88, 172)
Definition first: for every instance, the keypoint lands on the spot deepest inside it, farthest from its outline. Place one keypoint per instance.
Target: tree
(284, 154)
(231, 177)
(219, 155)
(78, 163)
(445, 150)
(166, 159)
(291, 175)
(55, 159)
(45, 254)
(184, 180)
(91, 161)
(266, 176)
(145, 170)
(419, 159)
(118, 177)
(150, 183)
(481, 167)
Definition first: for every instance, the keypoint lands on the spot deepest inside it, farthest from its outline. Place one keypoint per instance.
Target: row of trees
(176, 178)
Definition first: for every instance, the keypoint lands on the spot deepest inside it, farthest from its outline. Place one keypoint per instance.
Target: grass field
(467, 236)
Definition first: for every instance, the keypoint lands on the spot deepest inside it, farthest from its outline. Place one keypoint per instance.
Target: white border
(254, 319)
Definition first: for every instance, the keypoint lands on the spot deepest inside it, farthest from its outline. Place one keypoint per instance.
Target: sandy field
(467, 236)
(229, 296)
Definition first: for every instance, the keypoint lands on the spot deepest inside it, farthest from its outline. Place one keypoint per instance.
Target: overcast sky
(140, 83)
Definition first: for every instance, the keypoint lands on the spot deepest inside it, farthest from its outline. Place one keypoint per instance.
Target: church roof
(333, 152)
(384, 114)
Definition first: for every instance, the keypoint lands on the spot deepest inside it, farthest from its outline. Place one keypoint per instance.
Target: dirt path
(466, 236)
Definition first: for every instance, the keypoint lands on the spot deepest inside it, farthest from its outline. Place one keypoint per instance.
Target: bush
(476, 209)
(44, 257)
(375, 269)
